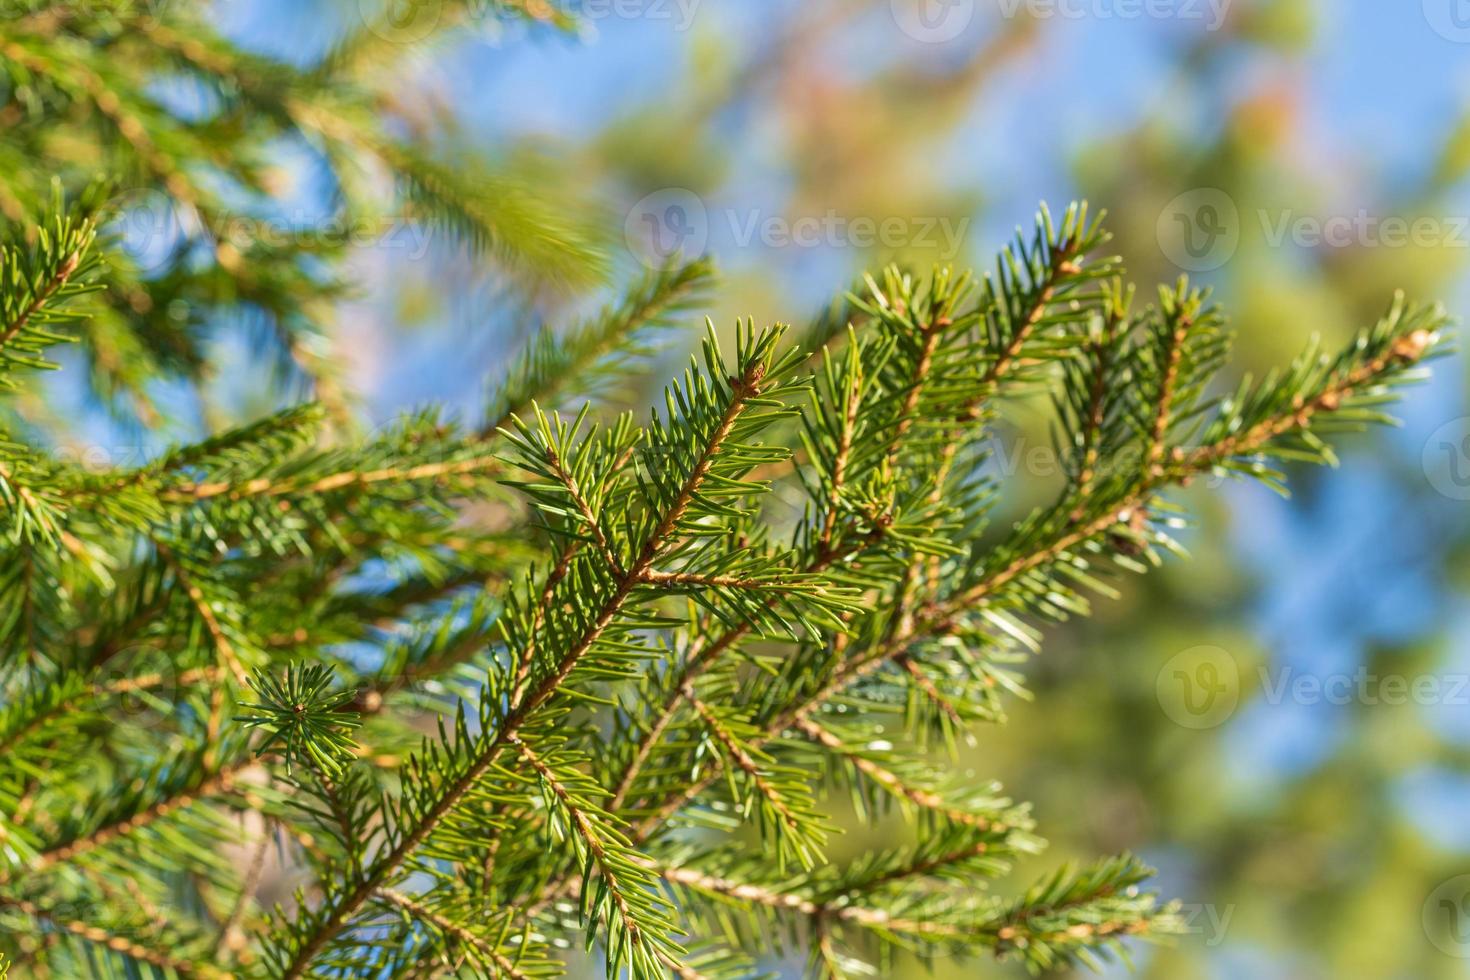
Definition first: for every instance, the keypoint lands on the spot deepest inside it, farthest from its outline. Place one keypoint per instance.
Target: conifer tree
(568, 676)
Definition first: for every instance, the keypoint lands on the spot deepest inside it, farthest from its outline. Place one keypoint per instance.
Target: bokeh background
(1281, 725)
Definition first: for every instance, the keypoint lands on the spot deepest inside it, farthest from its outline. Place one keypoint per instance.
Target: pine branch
(781, 798)
(129, 820)
(595, 354)
(633, 636)
(1383, 355)
(517, 968)
(893, 783)
(637, 928)
(37, 282)
(111, 941)
(744, 391)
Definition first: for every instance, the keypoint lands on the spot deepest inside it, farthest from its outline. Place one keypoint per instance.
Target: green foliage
(185, 123)
(306, 719)
(619, 707)
(40, 280)
(596, 353)
(483, 695)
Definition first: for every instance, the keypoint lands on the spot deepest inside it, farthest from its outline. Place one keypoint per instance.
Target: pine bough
(485, 695)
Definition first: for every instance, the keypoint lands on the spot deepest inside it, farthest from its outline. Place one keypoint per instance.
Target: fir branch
(636, 929)
(214, 782)
(41, 294)
(637, 616)
(785, 806)
(802, 905)
(504, 965)
(347, 479)
(892, 782)
(1383, 354)
(744, 389)
(111, 941)
(206, 610)
(593, 354)
(37, 282)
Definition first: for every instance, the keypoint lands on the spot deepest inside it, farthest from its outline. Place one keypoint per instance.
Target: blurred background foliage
(1307, 838)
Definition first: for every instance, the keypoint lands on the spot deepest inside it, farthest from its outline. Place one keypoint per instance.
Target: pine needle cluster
(575, 686)
(650, 676)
